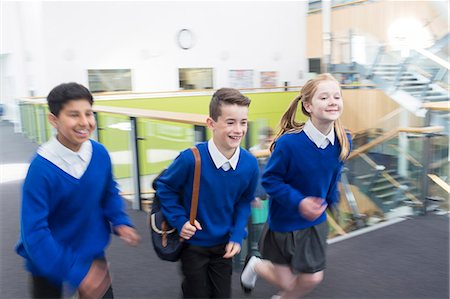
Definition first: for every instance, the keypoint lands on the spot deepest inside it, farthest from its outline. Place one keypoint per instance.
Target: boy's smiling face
(74, 123)
(229, 129)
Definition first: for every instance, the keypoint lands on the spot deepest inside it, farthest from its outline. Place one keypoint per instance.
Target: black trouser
(42, 288)
(206, 273)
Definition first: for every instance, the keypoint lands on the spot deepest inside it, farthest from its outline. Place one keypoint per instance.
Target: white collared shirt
(73, 163)
(220, 160)
(320, 140)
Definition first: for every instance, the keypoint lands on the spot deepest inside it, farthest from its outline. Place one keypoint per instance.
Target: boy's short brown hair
(226, 96)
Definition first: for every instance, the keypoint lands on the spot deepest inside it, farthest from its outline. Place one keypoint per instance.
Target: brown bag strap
(196, 185)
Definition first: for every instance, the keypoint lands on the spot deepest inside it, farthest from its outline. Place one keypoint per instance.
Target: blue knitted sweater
(297, 169)
(66, 222)
(224, 197)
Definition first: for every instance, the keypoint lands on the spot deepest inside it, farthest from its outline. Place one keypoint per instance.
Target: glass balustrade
(381, 182)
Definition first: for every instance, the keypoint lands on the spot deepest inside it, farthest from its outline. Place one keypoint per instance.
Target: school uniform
(302, 164)
(69, 202)
(227, 187)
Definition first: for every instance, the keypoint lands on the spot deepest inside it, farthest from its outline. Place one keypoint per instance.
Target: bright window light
(408, 33)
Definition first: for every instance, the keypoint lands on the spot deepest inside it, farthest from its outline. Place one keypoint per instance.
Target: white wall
(56, 42)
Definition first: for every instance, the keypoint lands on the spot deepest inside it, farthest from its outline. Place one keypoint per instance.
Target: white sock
(248, 276)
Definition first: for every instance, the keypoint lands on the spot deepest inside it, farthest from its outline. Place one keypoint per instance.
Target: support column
(326, 34)
(136, 203)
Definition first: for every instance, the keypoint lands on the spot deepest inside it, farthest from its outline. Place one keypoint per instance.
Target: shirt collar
(68, 155)
(219, 159)
(320, 140)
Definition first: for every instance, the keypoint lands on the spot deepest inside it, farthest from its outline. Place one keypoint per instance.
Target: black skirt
(303, 250)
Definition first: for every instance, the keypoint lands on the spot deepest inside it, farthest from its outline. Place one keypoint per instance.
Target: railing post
(199, 133)
(248, 137)
(351, 200)
(426, 163)
(375, 62)
(95, 134)
(42, 134)
(136, 203)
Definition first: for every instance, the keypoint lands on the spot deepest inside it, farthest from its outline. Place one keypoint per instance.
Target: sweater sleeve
(274, 182)
(242, 208)
(169, 189)
(113, 204)
(54, 261)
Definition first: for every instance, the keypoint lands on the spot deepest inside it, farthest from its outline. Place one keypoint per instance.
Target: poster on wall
(241, 78)
(268, 79)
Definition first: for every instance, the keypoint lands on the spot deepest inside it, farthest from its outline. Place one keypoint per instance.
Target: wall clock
(185, 39)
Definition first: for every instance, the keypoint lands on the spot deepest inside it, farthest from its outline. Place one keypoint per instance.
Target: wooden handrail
(440, 182)
(391, 134)
(437, 106)
(422, 130)
(186, 118)
(261, 153)
(386, 136)
(334, 224)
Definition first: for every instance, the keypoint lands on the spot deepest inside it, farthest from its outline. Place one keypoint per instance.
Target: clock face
(185, 39)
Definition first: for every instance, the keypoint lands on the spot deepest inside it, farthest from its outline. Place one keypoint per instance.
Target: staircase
(377, 176)
(419, 85)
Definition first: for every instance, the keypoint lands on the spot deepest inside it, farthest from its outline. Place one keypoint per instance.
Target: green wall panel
(268, 106)
(162, 139)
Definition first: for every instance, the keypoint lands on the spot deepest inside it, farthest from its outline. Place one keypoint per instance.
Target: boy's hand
(232, 249)
(128, 234)
(312, 207)
(96, 282)
(188, 230)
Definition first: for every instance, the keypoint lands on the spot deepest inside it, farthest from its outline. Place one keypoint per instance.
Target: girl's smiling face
(326, 105)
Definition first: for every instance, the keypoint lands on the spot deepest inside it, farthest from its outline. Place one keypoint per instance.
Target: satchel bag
(165, 239)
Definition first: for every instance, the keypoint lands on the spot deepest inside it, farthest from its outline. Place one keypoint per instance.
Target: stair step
(383, 179)
(404, 78)
(387, 65)
(413, 83)
(390, 73)
(365, 176)
(382, 187)
(428, 93)
(415, 87)
(436, 198)
(387, 194)
(437, 98)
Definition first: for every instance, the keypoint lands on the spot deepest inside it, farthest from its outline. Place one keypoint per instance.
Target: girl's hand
(312, 207)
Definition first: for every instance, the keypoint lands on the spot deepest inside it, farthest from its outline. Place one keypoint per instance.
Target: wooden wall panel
(373, 19)
(363, 108)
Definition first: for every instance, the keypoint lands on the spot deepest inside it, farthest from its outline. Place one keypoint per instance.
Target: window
(196, 78)
(109, 80)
